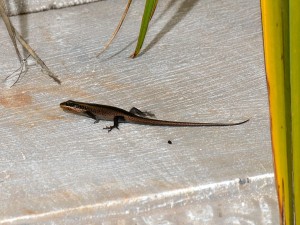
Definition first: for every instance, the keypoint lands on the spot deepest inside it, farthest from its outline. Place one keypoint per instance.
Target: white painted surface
(202, 61)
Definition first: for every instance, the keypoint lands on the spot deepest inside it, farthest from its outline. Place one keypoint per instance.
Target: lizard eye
(70, 103)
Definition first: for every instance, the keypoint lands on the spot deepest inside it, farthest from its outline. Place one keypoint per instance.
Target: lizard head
(72, 106)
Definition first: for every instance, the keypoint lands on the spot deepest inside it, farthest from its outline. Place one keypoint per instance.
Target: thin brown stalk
(117, 29)
(36, 57)
(10, 29)
(14, 35)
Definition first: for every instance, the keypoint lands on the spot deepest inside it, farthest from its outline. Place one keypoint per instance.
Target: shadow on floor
(185, 7)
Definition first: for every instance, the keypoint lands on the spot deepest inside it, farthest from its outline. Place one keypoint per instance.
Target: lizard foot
(109, 128)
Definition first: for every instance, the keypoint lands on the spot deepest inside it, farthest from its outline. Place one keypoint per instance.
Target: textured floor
(202, 61)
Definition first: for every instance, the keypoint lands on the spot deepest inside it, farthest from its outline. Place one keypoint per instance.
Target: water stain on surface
(15, 100)
(29, 212)
(54, 117)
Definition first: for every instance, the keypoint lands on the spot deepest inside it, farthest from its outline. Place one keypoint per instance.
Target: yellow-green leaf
(294, 18)
(282, 45)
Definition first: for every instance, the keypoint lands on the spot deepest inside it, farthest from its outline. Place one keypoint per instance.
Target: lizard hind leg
(138, 112)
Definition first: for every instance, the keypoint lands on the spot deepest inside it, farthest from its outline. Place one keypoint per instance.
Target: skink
(106, 112)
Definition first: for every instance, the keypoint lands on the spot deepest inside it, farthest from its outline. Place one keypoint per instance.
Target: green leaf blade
(150, 7)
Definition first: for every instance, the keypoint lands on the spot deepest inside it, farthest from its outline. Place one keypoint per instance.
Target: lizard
(117, 115)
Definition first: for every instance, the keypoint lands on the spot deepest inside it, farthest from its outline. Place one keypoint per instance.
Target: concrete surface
(202, 61)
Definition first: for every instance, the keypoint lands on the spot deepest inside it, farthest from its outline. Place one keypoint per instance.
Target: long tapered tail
(153, 122)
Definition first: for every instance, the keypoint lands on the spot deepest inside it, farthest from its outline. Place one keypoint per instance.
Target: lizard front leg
(117, 120)
(91, 115)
